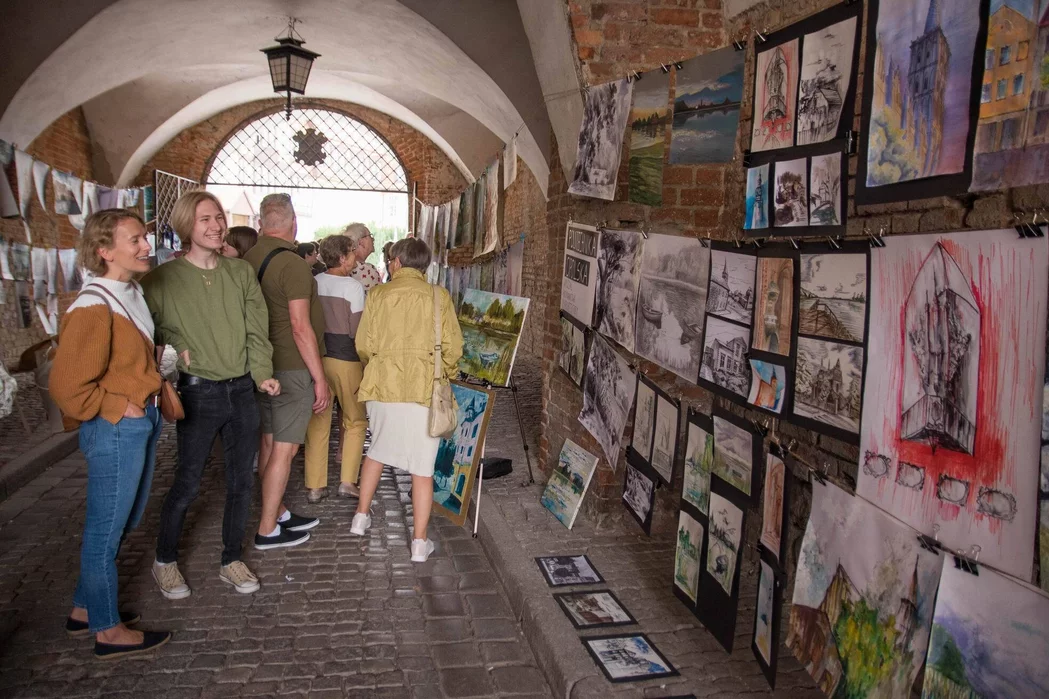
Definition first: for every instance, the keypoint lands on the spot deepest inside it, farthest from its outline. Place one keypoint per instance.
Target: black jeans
(212, 408)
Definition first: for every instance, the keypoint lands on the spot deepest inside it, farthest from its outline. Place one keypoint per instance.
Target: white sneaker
(421, 550)
(240, 577)
(360, 524)
(172, 584)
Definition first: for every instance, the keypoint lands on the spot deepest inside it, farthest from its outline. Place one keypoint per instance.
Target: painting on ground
(568, 482)
(989, 637)
(723, 541)
(618, 278)
(791, 199)
(731, 292)
(774, 305)
(579, 283)
(608, 391)
(773, 508)
(775, 97)
(664, 440)
(956, 361)
(833, 296)
(826, 70)
(568, 570)
(687, 556)
(733, 454)
(671, 301)
(765, 642)
(592, 610)
(601, 135)
(768, 385)
(756, 215)
(708, 92)
(825, 190)
(863, 598)
(491, 325)
(828, 384)
(648, 127)
(572, 355)
(459, 456)
(1012, 133)
(628, 658)
(639, 495)
(699, 463)
(919, 118)
(644, 419)
(725, 347)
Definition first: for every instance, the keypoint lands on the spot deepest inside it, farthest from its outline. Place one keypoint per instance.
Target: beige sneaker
(240, 577)
(172, 584)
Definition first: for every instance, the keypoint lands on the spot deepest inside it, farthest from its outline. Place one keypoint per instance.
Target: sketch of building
(927, 80)
(724, 362)
(825, 74)
(828, 383)
(775, 97)
(825, 190)
(731, 290)
(775, 106)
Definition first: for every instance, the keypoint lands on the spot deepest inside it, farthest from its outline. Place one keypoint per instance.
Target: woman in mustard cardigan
(105, 377)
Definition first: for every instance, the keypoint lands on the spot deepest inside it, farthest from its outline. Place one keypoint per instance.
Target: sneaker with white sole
(172, 584)
(298, 523)
(421, 550)
(284, 538)
(360, 524)
(240, 577)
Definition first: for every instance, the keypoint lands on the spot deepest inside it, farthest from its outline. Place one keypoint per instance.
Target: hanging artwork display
(708, 93)
(664, 442)
(38, 257)
(459, 456)
(955, 374)
(736, 452)
(828, 385)
(773, 305)
(618, 279)
(756, 215)
(579, 282)
(608, 391)
(640, 450)
(649, 116)
(20, 261)
(480, 195)
(568, 570)
(67, 189)
(8, 203)
(718, 596)
(919, 103)
(5, 262)
(775, 97)
(24, 177)
(40, 170)
(688, 555)
(1012, 134)
(491, 325)
(515, 269)
(601, 136)
(863, 595)
(572, 355)
(671, 303)
(699, 462)
(827, 58)
(826, 190)
(628, 658)
(594, 610)
(725, 367)
(765, 642)
(24, 299)
(491, 209)
(500, 273)
(791, 200)
(510, 163)
(639, 495)
(833, 301)
(774, 508)
(731, 292)
(568, 482)
(768, 385)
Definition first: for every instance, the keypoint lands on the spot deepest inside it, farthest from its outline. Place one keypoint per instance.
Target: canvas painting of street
(919, 121)
(733, 454)
(768, 385)
(774, 305)
(699, 462)
(491, 326)
(687, 556)
(601, 134)
(791, 199)
(775, 97)
(828, 383)
(988, 639)
(568, 482)
(956, 357)
(725, 346)
(648, 126)
(664, 439)
(833, 296)
(618, 279)
(756, 215)
(608, 391)
(628, 658)
(708, 92)
(826, 70)
(590, 610)
(825, 190)
(459, 456)
(723, 540)
(731, 291)
(671, 303)
(863, 598)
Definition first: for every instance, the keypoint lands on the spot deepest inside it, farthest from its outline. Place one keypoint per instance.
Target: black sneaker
(151, 640)
(282, 539)
(295, 523)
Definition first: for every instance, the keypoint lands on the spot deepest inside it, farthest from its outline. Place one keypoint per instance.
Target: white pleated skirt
(401, 437)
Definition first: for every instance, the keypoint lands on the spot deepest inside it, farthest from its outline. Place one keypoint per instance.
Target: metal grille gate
(167, 189)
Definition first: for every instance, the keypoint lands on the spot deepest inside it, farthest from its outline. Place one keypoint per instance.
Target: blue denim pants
(119, 472)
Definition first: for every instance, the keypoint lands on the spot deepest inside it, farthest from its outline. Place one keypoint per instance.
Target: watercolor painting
(491, 325)
(828, 383)
(579, 283)
(826, 70)
(733, 454)
(756, 215)
(989, 638)
(772, 506)
(459, 456)
(955, 372)
(763, 640)
(644, 419)
(825, 190)
(601, 134)
(592, 610)
(709, 90)
(791, 199)
(863, 599)
(723, 541)
(628, 658)
(775, 97)
(833, 296)
(774, 305)
(571, 356)
(649, 116)
(687, 555)
(608, 391)
(618, 278)
(731, 292)
(672, 300)
(919, 121)
(664, 444)
(699, 463)
(639, 495)
(568, 482)
(725, 346)
(768, 385)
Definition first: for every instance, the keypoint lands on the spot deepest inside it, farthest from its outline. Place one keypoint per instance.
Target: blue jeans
(119, 472)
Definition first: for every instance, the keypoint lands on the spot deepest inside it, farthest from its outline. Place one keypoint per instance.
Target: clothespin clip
(1021, 227)
(762, 37)
(736, 242)
(677, 64)
(740, 44)
(968, 563)
(789, 447)
(833, 243)
(820, 474)
(757, 242)
(644, 233)
(705, 241)
(762, 427)
(931, 544)
(746, 158)
(1039, 233)
(634, 76)
(793, 243)
(664, 68)
(851, 138)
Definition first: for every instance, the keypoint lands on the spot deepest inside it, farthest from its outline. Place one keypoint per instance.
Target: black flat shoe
(151, 641)
(79, 629)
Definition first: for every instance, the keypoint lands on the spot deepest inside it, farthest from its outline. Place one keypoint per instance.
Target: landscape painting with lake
(491, 325)
(648, 126)
(706, 108)
(833, 296)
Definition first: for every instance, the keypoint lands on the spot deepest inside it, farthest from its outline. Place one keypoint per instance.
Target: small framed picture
(592, 610)
(628, 657)
(568, 570)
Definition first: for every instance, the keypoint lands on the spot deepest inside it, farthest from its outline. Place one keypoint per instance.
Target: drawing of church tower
(927, 84)
(760, 218)
(775, 87)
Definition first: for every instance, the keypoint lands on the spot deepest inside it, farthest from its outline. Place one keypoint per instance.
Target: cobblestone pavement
(339, 616)
(14, 439)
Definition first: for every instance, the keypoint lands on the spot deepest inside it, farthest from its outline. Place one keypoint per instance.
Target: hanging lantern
(290, 64)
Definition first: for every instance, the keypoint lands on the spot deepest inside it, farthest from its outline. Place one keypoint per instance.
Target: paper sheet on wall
(8, 204)
(89, 201)
(39, 258)
(5, 265)
(40, 170)
(108, 198)
(510, 163)
(24, 174)
(68, 193)
(52, 270)
(128, 198)
(71, 279)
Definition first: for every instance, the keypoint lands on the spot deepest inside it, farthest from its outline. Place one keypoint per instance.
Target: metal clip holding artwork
(1029, 230)
(876, 241)
(762, 36)
(931, 543)
(851, 141)
(967, 561)
(634, 76)
(747, 158)
(740, 44)
(763, 426)
(665, 68)
(833, 242)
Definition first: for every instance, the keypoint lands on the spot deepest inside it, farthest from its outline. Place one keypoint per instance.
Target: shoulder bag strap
(266, 261)
(154, 350)
(437, 373)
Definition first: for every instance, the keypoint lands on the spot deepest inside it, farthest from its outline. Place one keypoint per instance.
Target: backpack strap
(266, 261)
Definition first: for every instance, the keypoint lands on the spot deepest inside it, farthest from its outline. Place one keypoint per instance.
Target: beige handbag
(444, 413)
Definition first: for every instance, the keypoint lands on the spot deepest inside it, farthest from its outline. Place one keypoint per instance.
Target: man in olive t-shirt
(296, 328)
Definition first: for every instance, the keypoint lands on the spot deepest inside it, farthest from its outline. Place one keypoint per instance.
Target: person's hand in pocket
(133, 410)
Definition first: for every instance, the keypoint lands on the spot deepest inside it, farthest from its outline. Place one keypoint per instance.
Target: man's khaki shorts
(287, 415)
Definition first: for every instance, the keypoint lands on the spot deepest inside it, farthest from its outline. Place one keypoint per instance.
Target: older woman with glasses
(363, 246)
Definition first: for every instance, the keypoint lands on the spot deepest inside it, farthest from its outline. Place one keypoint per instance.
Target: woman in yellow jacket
(396, 342)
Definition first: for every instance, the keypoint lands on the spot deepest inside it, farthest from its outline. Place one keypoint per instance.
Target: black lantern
(290, 64)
